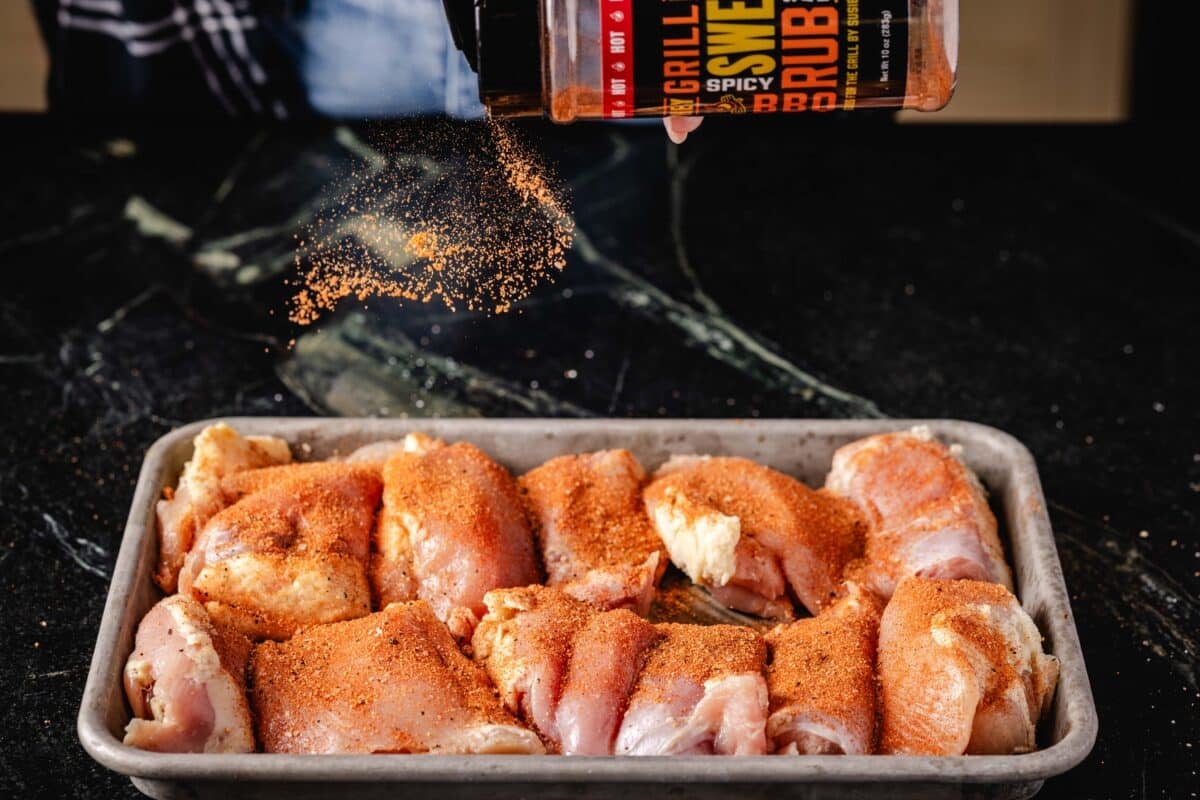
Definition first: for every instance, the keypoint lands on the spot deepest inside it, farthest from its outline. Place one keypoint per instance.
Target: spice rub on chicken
(926, 511)
(595, 682)
(185, 682)
(219, 451)
(292, 551)
(822, 679)
(701, 692)
(566, 667)
(961, 670)
(451, 529)
(391, 682)
(587, 515)
(750, 534)
(471, 653)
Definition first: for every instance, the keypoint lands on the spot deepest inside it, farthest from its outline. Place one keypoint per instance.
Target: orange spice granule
(481, 235)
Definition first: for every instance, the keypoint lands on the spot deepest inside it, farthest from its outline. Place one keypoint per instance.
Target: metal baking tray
(803, 448)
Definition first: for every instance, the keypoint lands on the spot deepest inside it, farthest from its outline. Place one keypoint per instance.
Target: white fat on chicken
(751, 535)
(702, 543)
(293, 551)
(218, 451)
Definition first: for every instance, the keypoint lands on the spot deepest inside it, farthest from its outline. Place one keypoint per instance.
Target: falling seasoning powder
(479, 234)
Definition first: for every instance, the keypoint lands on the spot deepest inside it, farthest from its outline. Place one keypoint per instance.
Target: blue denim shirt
(277, 58)
(382, 58)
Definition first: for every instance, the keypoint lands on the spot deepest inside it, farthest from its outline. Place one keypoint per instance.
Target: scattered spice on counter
(480, 234)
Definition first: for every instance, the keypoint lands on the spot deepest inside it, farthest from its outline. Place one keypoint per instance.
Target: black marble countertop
(1042, 281)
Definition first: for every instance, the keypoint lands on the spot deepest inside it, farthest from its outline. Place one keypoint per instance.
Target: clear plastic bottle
(605, 59)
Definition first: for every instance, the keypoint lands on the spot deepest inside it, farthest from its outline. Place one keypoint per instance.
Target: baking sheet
(803, 448)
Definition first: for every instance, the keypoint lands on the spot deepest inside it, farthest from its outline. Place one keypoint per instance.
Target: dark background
(1040, 280)
(1043, 280)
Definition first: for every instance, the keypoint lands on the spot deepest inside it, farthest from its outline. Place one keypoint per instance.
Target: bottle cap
(502, 42)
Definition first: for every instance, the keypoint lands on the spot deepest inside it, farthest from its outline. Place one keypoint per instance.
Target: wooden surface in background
(1041, 61)
(23, 62)
(1021, 61)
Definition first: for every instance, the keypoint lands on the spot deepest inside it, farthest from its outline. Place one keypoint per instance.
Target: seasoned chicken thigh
(597, 682)
(218, 451)
(451, 530)
(524, 641)
(701, 692)
(926, 511)
(186, 683)
(822, 679)
(391, 682)
(587, 514)
(623, 586)
(961, 670)
(565, 666)
(291, 552)
(749, 534)
(606, 659)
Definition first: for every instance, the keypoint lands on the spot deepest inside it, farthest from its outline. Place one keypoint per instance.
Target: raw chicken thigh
(926, 511)
(186, 683)
(601, 682)
(961, 670)
(749, 533)
(622, 586)
(565, 666)
(391, 682)
(822, 679)
(917, 645)
(291, 552)
(587, 514)
(218, 451)
(701, 692)
(451, 530)
(606, 657)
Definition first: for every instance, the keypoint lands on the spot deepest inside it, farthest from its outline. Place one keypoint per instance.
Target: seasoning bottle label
(696, 57)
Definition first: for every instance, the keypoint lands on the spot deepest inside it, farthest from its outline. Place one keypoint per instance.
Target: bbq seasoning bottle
(614, 59)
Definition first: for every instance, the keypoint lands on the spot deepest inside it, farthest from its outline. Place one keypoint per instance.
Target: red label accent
(616, 44)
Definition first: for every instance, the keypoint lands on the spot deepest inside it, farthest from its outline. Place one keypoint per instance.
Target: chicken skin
(391, 682)
(749, 534)
(622, 586)
(186, 683)
(218, 451)
(961, 670)
(926, 511)
(701, 692)
(292, 551)
(595, 682)
(606, 659)
(587, 515)
(822, 680)
(451, 529)
(566, 667)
